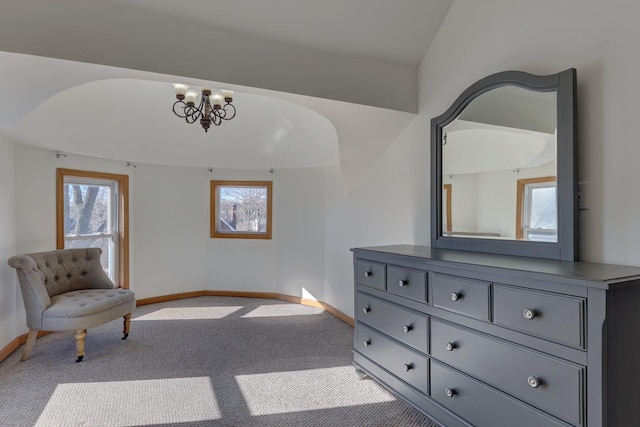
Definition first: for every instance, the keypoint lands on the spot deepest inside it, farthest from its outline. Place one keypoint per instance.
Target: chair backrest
(43, 275)
(67, 270)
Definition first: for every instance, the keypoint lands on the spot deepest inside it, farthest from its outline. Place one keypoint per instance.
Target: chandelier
(214, 107)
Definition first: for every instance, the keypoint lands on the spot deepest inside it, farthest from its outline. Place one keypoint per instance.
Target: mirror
(503, 171)
(502, 141)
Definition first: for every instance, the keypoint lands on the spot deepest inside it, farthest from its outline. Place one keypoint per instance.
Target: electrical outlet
(583, 195)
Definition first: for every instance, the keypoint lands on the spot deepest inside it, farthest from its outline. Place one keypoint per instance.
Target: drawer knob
(408, 366)
(366, 310)
(368, 273)
(455, 296)
(533, 382)
(403, 283)
(366, 343)
(407, 328)
(450, 392)
(529, 314)
(450, 346)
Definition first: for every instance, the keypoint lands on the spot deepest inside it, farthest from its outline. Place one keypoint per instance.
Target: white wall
(392, 207)
(598, 39)
(299, 230)
(391, 202)
(170, 206)
(8, 281)
(242, 264)
(292, 262)
(464, 201)
(481, 38)
(497, 194)
(171, 251)
(36, 193)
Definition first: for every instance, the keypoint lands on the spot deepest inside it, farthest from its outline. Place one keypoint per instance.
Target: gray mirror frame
(566, 248)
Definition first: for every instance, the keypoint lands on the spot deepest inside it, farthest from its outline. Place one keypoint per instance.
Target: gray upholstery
(87, 308)
(68, 290)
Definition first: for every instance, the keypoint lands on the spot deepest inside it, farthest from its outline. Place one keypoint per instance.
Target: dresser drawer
(409, 366)
(555, 317)
(464, 296)
(481, 405)
(408, 326)
(371, 273)
(407, 283)
(550, 384)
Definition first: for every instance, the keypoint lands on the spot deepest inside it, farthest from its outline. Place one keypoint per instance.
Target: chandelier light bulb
(180, 88)
(191, 96)
(227, 95)
(216, 99)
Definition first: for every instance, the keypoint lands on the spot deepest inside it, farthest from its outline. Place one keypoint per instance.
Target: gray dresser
(486, 340)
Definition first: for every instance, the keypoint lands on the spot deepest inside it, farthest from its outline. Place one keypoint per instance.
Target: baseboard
(9, 348)
(319, 304)
(171, 297)
(269, 295)
(13, 345)
(17, 342)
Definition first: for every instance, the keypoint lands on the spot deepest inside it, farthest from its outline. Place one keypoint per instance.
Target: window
(92, 212)
(447, 226)
(537, 215)
(241, 209)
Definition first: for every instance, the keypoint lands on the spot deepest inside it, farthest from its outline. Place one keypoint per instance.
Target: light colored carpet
(208, 361)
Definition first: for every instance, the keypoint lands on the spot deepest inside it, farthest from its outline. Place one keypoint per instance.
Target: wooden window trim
(123, 215)
(522, 183)
(448, 192)
(213, 212)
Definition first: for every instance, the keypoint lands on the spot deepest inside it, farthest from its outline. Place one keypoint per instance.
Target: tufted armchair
(67, 290)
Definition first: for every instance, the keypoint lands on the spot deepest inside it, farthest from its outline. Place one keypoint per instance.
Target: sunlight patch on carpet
(190, 313)
(295, 391)
(126, 403)
(279, 310)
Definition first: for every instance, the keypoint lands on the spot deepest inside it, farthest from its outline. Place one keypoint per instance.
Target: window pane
(542, 235)
(243, 209)
(543, 208)
(87, 209)
(108, 246)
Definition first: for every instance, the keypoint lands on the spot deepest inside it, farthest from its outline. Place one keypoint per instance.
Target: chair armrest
(34, 293)
(22, 262)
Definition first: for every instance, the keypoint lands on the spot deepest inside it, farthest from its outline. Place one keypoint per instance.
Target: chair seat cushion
(87, 308)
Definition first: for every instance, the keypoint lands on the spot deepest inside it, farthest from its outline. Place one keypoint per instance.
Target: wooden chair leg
(79, 336)
(127, 324)
(31, 341)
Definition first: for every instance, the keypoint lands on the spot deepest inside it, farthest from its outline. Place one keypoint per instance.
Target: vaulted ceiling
(312, 79)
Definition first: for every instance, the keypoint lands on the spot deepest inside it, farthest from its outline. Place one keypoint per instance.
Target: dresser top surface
(607, 274)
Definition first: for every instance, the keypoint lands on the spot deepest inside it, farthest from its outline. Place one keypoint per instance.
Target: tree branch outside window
(241, 209)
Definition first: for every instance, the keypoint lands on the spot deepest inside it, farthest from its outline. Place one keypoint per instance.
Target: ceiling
(92, 77)
(268, 132)
(387, 30)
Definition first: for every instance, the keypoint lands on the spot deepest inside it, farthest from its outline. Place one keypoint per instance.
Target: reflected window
(446, 217)
(537, 214)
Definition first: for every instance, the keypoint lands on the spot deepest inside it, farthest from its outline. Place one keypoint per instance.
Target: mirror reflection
(499, 167)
